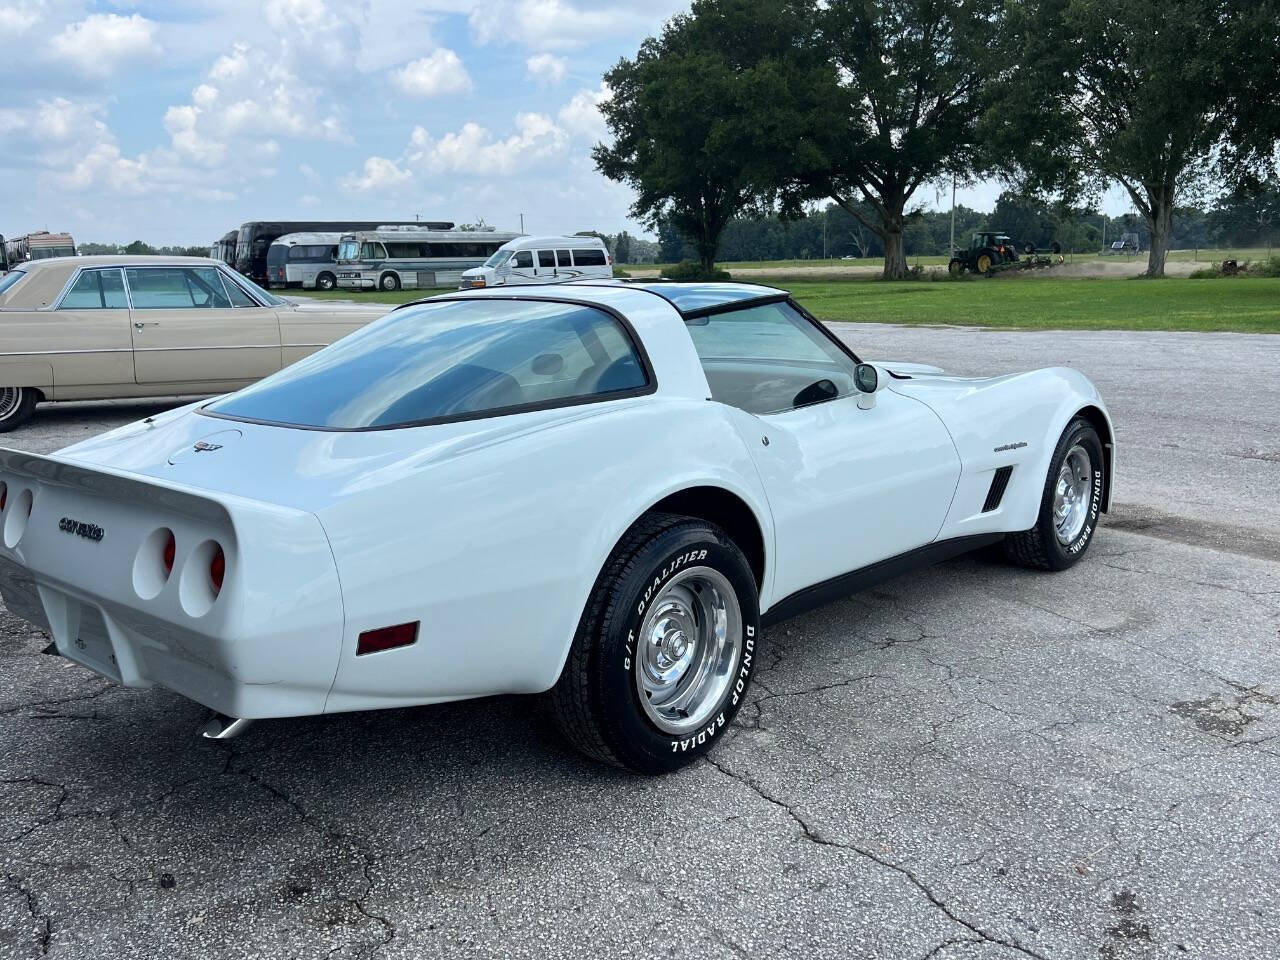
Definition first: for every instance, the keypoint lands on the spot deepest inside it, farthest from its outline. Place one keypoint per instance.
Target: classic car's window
(769, 358)
(96, 290)
(11, 278)
(235, 294)
(169, 288)
(450, 360)
(240, 280)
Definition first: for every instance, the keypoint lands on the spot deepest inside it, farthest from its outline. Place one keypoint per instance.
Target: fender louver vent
(996, 493)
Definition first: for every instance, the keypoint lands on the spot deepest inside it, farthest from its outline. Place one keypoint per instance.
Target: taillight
(217, 570)
(170, 553)
(387, 638)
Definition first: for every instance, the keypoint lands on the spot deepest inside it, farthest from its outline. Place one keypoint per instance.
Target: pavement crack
(43, 921)
(813, 836)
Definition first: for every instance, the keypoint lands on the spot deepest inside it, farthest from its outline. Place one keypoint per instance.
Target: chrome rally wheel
(1071, 494)
(665, 650)
(687, 647)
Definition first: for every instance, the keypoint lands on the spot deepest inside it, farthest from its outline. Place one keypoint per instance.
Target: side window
(564, 259)
(96, 290)
(546, 258)
(523, 258)
(236, 293)
(159, 288)
(588, 258)
(298, 252)
(769, 358)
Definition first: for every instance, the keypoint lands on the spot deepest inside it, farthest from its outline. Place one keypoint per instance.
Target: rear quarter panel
(496, 551)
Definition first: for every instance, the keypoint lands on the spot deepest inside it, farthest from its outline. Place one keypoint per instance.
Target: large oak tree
(702, 117)
(1154, 95)
(902, 105)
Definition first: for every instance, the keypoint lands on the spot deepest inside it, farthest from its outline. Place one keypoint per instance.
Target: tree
(908, 85)
(700, 118)
(1147, 94)
(138, 248)
(622, 248)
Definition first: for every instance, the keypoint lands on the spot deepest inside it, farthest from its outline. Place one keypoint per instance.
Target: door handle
(138, 324)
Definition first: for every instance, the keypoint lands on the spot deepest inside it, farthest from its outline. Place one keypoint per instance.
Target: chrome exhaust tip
(222, 727)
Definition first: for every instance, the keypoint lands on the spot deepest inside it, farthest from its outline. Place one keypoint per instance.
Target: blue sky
(174, 122)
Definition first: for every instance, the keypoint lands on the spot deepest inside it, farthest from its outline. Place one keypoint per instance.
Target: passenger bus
(306, 260)
(254, 238)
(396, 256)
(225, 248)
(39, 246)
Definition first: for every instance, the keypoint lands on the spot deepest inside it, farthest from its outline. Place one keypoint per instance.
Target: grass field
(1083, 303)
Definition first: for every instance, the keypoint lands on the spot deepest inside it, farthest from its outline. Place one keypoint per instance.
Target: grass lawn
(1248, 305)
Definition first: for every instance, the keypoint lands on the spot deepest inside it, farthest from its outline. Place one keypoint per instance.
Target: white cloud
(581, 115)
(309, 200)
(439, 73)
(546, 69)
(474, 150)
(19, 18)
(101, 41)
(564, 24)
(379, 174)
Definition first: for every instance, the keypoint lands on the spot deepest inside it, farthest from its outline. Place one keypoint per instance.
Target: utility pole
(952, 252)
(824, 233)
(1104, 233)
(522, 223)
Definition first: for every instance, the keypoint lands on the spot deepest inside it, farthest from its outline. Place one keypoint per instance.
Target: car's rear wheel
(16, 406)
(1070, 505)
(665, 649)
(326, 281)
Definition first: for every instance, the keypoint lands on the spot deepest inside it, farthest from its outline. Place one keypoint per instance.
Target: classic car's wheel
(1070, 505)
(16, 406)
(665, 649)
(389, 281)
(326, 281)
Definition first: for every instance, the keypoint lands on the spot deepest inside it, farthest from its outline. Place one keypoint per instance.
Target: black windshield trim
(650, 387)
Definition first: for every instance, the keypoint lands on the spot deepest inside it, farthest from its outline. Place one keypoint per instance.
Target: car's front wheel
(1070, 505)
(16, 406)
(665, 649)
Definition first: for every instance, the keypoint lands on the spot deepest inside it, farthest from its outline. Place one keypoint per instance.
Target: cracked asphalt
(975, 761)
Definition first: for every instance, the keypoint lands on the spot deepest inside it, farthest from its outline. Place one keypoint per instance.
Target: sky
(173, 122)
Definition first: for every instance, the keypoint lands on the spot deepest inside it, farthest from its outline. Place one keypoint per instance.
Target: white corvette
(597, 490)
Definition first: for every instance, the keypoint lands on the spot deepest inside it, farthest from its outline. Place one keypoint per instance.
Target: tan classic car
(103, 327)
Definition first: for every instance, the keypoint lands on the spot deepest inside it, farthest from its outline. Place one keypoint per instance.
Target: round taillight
(217, 570)
(170, 552)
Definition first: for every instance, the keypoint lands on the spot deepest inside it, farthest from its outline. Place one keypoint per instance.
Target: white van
(541, 260)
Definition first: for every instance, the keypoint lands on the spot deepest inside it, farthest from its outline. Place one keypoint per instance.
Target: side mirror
(867, 379)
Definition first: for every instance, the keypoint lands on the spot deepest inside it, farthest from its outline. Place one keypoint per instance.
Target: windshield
(498, 259)
(10, 278)
(448, 360)
(349, 250)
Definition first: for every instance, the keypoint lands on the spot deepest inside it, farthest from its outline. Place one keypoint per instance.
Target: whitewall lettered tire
(666, 649)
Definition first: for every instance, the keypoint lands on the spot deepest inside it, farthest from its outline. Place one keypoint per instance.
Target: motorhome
(40, 245)
(224, 249)
(255, 237)
(541, 260)
(394, 257)
(307, 260)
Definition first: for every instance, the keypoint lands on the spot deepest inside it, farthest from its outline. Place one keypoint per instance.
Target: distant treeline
(1234, 222)
(140, 249)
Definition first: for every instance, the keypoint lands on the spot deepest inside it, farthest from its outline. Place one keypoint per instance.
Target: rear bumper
(266, 645)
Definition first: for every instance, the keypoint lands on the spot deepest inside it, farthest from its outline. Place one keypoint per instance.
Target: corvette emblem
(90, 531)
(202, 447)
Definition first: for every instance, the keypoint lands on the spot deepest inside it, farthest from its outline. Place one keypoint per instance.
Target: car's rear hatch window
(448, 360)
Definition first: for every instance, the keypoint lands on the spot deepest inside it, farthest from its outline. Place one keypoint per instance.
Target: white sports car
(600, 491)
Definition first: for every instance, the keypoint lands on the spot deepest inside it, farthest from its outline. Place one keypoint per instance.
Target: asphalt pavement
(975, 761)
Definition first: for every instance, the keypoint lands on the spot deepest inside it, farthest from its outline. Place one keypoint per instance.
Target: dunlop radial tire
(591, 704)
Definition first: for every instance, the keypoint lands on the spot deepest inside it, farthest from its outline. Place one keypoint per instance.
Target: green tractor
(990, 252)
